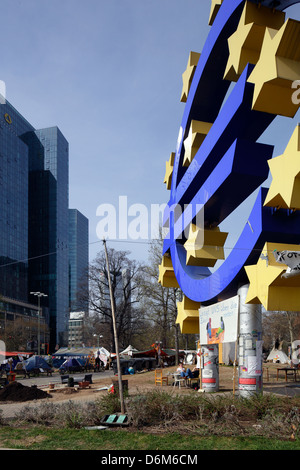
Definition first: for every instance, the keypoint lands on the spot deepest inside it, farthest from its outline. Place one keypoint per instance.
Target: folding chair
(178, 380)
(159, 378)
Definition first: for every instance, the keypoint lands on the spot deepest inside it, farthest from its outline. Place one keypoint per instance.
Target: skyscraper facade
(48, 225)
(34, 220)
(14, 160)
(78, 260)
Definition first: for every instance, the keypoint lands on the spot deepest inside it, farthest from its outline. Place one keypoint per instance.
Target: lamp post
(39, 295)
(98, 339)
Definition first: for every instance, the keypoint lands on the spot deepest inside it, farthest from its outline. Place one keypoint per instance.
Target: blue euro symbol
(228, 167)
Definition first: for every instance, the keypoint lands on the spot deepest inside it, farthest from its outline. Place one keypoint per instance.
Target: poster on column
(218, 322)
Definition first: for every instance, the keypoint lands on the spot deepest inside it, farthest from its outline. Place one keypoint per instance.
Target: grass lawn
(43, 438)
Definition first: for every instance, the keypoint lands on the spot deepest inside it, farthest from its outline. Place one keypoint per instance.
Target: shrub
(159, 407)
(44, 413)
(260, 404)
(70, 415)
(204, 414)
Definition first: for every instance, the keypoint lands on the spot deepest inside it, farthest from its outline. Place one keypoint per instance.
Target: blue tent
(71, 364)
(36, 362)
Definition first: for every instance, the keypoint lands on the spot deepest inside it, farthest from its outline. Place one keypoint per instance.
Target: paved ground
(289, 389)
(56, 378)
(9, 410)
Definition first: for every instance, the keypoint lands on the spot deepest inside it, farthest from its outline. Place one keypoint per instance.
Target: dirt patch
(16, 392)
(141, 383)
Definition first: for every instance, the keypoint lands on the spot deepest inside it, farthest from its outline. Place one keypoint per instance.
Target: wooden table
(287, 370)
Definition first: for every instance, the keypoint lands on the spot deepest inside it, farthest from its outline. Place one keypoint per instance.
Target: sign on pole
(218, 322)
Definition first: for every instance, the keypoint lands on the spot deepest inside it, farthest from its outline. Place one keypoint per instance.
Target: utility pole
(115, 332)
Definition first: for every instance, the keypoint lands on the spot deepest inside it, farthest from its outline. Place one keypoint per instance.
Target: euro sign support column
(210, 369)
(250, 346)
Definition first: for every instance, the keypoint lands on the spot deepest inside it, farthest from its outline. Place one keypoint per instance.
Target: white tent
(277, 355)
(129, 350)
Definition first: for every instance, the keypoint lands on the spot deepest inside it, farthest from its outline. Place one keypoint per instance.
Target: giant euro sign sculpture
(219, 162)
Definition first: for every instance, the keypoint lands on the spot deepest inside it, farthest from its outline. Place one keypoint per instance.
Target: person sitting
(188, 373)
(195, 373)
(180, 368)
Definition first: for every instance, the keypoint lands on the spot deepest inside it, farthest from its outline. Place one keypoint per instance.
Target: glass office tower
(34, 217)
(78, 260)
(48, 226)
(14, 159)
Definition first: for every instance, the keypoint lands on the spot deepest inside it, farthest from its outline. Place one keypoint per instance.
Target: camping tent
(36, 362)
(129, 350)
(277, 355)
(72, 365)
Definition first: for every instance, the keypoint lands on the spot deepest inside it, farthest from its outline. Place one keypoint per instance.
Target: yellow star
(277, 68)
(285, 187)
(197, 133)
(188, 316)
(188, 74)
(169, 170)
(267, 286)
(215, 7)
(166, 273)
(245, 44)
(204, 247)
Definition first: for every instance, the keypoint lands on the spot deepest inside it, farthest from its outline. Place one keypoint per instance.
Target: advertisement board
(219, 322)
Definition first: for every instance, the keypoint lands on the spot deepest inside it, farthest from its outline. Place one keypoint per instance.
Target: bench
(85, 378)
(36, 372)
(64, 379)
(22, 371)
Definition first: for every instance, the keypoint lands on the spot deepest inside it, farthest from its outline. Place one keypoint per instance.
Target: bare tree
(159, 301)
(125, 281)
(280, 326)
(23, 330)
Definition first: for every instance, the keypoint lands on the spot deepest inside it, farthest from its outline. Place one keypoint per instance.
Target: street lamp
(98, 340)
(39, 295)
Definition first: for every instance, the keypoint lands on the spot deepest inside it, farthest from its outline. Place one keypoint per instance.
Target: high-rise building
(76, 330)
(78, 260)
(14, 159)
(34, 217)
(48, 225)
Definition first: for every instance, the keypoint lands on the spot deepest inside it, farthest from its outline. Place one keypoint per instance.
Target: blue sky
(109, 75)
